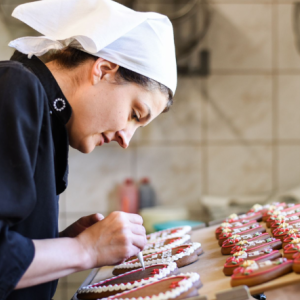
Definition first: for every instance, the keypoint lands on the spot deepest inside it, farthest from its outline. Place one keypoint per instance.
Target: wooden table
(216, 285)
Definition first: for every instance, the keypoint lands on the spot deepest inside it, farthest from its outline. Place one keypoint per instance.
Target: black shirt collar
(57, 101)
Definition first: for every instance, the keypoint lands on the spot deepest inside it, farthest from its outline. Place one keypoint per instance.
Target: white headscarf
(142, 42)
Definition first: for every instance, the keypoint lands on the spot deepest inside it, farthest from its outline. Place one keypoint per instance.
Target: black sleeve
(21, 109)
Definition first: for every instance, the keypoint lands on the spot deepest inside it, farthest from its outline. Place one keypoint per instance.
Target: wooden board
(210, 265)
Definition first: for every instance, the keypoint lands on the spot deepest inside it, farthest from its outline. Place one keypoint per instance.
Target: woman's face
(104, 111)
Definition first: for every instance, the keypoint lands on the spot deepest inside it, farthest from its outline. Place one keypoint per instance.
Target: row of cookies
(255, 257)
(165, 252)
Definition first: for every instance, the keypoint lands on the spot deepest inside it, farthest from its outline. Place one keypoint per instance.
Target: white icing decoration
(254, 253)
(116, 287)
(149, 261)
(293, 218)
(253, 266)
(184, 285)
(247, 236)
(162, 247)
(156, 236)
(265, 263)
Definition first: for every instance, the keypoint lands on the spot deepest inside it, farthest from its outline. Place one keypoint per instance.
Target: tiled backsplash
(235, 132)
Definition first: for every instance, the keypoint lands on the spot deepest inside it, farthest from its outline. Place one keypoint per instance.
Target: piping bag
(141, 259)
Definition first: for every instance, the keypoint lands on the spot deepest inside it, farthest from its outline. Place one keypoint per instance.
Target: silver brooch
(61, 103)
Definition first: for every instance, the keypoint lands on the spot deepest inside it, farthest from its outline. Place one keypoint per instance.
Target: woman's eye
(135, 116)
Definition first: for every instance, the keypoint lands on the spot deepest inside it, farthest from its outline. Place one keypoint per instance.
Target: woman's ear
(103, 70)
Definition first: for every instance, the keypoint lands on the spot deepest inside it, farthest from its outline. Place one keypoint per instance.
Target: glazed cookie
(257, 245)
(165, 244)
(282, 219)
(290, 249)
(127, 281)
(257, 216)
(169, 233)
(233, 225)
(224, 236)
(296, 264)
(291, 236)
(283, 233)
(283, 213)
(181, 255)
(275, 210)
(252, 273)
(238, 258)
(237, 229)
(175, 287)
(235, 239)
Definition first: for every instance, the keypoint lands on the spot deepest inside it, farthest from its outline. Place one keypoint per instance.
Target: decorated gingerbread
(259, 245)
(168, 233)
(181, 255)
(296, 264)
(290, 249)
(252, 273)
(238, 229)
(164, 244)
(127, 281)
(174, 287)
(238, 258)
(225, 235)
(235, 239)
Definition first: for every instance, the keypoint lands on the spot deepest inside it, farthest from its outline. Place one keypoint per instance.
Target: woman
(112, 71)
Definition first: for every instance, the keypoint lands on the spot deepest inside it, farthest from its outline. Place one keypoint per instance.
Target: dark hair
(71, 58)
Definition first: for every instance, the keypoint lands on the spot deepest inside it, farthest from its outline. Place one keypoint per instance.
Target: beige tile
(5, 38)
(289, 107)
(288, 166)
(288, 55)
(240, 37)
(94, 177)
(78, 278)
(240, 107)
(183, 121)
(239, 170)
(175, 172)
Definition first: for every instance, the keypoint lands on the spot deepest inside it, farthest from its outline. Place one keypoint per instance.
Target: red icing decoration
(180, 250)
(174, 284)
(155, 271)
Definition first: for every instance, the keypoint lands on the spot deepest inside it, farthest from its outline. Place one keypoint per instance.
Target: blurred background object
(232, 137)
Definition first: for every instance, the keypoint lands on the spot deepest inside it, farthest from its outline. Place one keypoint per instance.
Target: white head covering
(141, 42)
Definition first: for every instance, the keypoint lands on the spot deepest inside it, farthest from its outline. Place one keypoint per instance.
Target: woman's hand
(80, 225)
(112, 240)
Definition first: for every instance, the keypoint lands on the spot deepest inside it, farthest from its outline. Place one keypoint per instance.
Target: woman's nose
(124, 137)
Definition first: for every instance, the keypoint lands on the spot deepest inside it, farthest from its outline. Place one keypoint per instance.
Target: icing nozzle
(141, 259)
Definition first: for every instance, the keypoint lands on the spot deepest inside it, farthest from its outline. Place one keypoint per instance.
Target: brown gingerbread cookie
(234, 227)
(168, 233)
(257, 245)
(282, 219)
(127, 281)
(181, 255)
(274, 210)
(225, 235)
(238, 229)
(252, 273)
(165, 244)
(238, 258)
(296, 264)
(175, 287)
(291, 236)
(283, 213)
(234, 240)
(257, 216)
(292, 248)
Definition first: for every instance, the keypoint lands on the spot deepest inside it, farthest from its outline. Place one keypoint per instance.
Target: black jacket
(33, 168)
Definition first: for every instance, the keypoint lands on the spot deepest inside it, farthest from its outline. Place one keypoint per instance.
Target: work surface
(210, 265)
